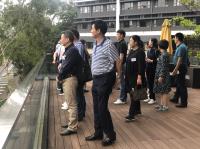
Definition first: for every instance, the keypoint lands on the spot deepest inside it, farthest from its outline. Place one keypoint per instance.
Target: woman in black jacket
(151, 61)
(135, 73)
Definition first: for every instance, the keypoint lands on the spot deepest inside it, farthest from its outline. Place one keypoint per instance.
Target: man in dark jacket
(70, 68)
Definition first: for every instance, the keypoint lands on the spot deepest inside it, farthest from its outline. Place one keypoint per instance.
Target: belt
(103, 75)
(68, 76)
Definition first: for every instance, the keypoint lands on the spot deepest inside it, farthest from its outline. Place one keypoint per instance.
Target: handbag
(139, 93)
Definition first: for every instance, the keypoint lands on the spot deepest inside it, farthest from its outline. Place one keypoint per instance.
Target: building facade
(135, 15)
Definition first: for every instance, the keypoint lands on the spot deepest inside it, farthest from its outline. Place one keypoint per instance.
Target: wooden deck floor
(176, 129)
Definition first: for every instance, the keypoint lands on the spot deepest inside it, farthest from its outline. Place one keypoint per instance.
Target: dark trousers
(123, 94)
(135, 108)
(150, 81)
(101, 89)
(60, 86)
(181, 89)
(81, 101)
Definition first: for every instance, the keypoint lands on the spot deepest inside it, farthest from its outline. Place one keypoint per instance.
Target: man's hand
(160, 80)
(139, 80)
(59, 67)
(60, 81)
(117, 82)
(53, 62)
(149, 60)
(174, 72)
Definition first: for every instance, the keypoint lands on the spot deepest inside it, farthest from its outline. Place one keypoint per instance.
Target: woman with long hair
(151, 61)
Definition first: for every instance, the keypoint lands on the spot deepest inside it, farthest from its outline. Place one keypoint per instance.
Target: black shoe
(67, 132)
(80, 119)
(181, 106)
(129, 118)
(174, 100)
(108, 141)
(139, 113)
(94, 137)
(85, 90)
(64, 125)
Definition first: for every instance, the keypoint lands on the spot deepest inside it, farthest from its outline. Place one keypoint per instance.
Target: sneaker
(129, 118)
(165, 108)
(64, 107)
(61, 93)
(58, 89)
(64, 104)
(158, 106)
(118, 102)
(146, 100)
(151, 101)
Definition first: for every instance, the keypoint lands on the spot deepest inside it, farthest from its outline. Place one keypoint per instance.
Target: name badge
(133, 59)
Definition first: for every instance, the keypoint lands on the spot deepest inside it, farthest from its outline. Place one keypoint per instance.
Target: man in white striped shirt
(104, 59)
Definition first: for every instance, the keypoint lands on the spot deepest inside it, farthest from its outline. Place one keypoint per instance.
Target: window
(111, 24)
(177, 3)
(98, 8)
(111, 7)
(167, 3)
(126, 23)
(127, 6)
(84, 26)
(85, 9)
(143, 24)
(156, 3)
(143, 4)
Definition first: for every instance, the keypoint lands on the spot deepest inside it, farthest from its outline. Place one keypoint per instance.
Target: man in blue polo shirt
(104, 58)
(181, 63)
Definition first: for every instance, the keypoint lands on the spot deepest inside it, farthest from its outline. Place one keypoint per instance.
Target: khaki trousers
(70, 87)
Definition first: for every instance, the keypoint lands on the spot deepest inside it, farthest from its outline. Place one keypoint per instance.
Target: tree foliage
(193, 5)
(27, 30)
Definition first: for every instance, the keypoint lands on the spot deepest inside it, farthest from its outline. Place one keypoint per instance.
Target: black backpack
(85, 74)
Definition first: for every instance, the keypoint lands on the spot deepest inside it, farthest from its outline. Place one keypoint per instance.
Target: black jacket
(135, 65)
(72, 64)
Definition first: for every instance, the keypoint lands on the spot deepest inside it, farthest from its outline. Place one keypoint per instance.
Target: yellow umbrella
(166, 34)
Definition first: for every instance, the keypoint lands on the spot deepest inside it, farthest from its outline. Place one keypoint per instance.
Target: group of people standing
(111, 62)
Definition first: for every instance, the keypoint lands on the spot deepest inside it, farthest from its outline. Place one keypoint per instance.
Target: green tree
(27, 30)
(193, 5)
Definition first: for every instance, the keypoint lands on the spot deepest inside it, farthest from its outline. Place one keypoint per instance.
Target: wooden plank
(177, 129)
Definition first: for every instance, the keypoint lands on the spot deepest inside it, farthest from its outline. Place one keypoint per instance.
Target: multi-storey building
(143, 17)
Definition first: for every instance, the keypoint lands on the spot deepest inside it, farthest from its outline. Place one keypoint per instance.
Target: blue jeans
(123, 94)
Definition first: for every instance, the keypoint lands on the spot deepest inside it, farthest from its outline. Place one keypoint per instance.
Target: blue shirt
(80, 48)
(181, 51)
(104, 56)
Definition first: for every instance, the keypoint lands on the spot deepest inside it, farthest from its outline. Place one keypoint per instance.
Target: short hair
(137, 39)
(180, 36)
(163, 44)
(69, 34)
(155, 42)
(83, 41)
(101, 25)
(76, 33)
(122, 32)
